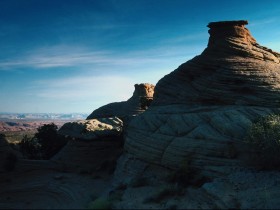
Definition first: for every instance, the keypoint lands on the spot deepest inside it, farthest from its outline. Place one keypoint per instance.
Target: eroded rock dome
(203, 109)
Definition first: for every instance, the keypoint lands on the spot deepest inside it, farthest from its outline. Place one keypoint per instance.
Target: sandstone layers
(201, 110)
(132, 106)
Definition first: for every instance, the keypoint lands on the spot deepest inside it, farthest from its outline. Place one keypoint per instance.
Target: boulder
(93, 144)
(92, 129)
(142, 96)
(202, 110)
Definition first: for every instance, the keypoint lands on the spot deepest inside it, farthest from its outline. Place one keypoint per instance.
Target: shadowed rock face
(4, 150)
(201, 111)
(132, 106)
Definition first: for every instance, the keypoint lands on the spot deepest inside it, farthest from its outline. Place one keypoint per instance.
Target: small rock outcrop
(92, 129)
(202, 110)
(89, 141)
(142, 95)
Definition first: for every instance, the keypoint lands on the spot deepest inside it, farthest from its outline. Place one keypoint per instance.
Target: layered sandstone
(135, 105)
(201, 110)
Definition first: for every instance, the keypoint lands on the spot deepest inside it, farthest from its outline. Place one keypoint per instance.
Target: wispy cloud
(69, 56)
(55, 56)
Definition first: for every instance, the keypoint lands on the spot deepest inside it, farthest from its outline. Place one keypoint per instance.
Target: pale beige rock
(92, 129)
(132, 106)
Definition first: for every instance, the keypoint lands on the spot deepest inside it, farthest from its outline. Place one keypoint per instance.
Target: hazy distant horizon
(44, 113)
(71, 56)
(42, 116)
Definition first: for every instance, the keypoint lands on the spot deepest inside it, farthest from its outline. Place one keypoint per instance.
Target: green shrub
(49, 140)
(45, 143)
(30, 148)
(100, 203)
(263, 138)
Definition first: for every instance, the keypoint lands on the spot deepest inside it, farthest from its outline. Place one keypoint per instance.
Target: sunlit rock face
(87, 130)
(143, 92)
(201, 110)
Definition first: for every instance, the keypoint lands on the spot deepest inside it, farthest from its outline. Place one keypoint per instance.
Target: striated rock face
(92, 129)
(133, 106)
(201, 111)
(232, 70)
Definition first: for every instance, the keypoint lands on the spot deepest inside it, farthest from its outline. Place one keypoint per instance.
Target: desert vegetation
(263, 138)
(44, 144)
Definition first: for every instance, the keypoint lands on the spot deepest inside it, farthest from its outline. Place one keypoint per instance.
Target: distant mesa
(202, 110)
(138, 103)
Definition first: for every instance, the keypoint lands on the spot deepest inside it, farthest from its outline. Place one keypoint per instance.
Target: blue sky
(73, 56)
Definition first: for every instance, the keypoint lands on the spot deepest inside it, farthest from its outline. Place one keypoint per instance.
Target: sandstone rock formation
(201, 111)
(89, 141)
(92, 129)
(133, 106)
